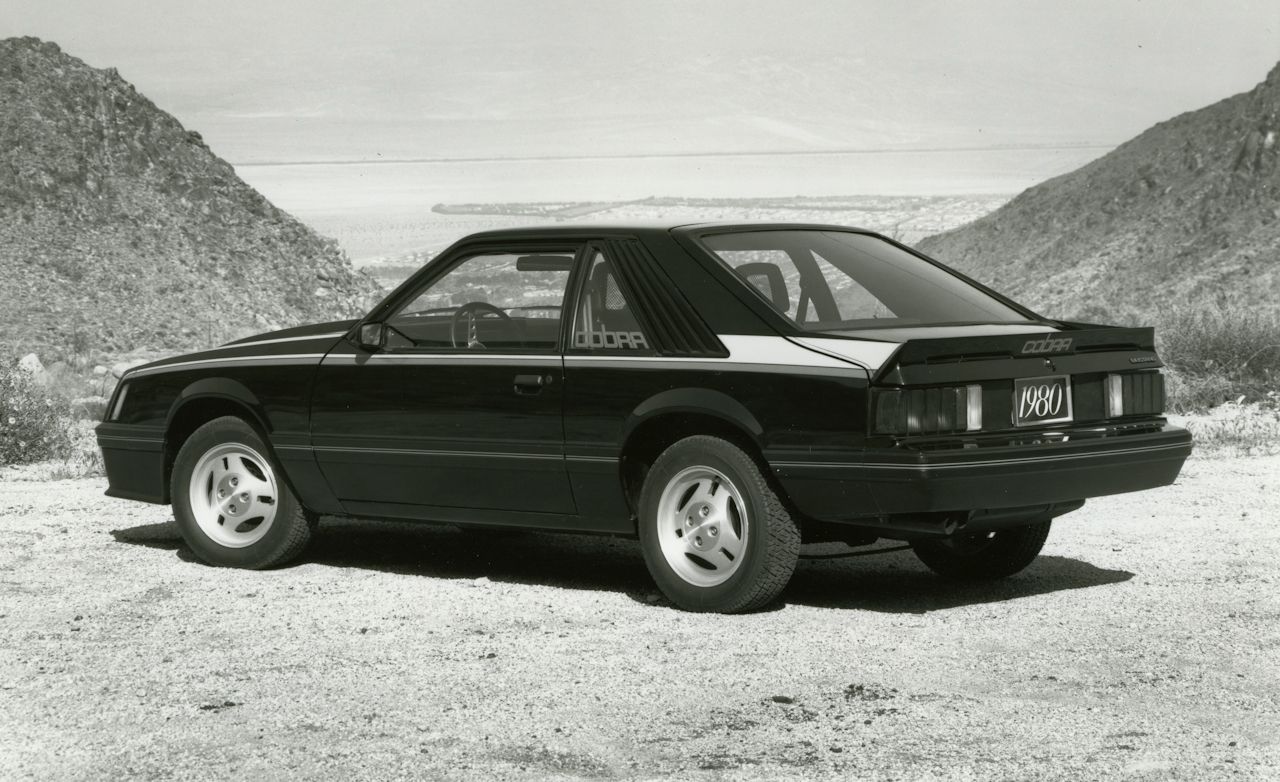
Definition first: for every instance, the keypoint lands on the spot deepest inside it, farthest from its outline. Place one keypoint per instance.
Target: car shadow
(892, 582)
(900, 583)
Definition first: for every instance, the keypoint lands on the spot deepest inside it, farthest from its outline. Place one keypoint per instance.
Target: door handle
(532, 384)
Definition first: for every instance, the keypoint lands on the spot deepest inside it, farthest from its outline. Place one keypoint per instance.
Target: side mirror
(372, 336)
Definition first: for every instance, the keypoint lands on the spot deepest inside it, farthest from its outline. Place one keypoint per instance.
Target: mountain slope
(120, 229)
(1187, 211)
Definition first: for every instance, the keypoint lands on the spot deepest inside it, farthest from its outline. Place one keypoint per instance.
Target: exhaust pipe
(924, 525)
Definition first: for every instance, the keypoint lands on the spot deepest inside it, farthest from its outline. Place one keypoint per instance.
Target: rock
(120, 367)
(99, 370)
(30, 364)
(783, 699)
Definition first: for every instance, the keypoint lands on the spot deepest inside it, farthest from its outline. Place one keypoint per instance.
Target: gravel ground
(1143, 644)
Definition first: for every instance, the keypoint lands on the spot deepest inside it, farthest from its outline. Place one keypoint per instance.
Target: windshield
(836, 280)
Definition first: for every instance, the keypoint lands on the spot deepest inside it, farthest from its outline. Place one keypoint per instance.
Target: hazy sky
(273, 81)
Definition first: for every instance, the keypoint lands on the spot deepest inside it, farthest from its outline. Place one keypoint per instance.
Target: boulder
(30, 364)
(119, 368)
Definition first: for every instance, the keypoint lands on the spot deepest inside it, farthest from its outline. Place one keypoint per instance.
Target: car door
(460, 413)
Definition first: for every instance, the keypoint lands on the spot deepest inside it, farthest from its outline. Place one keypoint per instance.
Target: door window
(492, 301)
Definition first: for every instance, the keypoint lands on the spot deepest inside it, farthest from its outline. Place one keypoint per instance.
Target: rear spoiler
(956, 359)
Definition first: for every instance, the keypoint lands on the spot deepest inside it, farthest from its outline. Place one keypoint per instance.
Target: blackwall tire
(715, 535)
(983, 556)
(231, 501)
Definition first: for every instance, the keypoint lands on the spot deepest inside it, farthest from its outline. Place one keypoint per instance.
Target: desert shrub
(1219, 352)
(34, 423)
(1240, 429)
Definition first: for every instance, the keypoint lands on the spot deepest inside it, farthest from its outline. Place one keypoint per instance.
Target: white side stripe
(256, 342)
(230, 361)
(744, 349)
(871, 355)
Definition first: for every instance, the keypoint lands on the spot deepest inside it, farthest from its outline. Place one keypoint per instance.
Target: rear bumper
(986, 473)
(134, 461)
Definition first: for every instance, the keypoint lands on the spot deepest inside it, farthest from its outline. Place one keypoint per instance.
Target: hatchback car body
(722, 392)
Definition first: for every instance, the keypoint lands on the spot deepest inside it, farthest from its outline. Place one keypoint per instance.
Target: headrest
(767, 278)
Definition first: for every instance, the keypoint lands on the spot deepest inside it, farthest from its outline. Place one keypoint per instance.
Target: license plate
(1041, 400)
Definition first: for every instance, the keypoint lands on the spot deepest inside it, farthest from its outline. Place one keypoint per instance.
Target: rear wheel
(232, 506)
(978, 556)
(714, 534)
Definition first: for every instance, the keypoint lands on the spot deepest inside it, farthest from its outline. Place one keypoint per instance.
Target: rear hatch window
(842, 281)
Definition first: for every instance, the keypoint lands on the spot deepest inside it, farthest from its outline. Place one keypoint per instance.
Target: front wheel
(714, 534)
(232, 506)
(979, 556)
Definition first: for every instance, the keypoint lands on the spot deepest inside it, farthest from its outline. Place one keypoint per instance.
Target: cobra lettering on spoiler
(1047, 345)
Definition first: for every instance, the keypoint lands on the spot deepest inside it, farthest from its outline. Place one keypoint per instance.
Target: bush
(1219, 352)
(1233, 429)
(34, 424)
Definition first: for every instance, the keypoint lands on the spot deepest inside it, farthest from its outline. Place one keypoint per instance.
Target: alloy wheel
(233, 493)
(702, 526)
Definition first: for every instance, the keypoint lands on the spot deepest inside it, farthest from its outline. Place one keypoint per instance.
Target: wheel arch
(203, 401)
(672, 415)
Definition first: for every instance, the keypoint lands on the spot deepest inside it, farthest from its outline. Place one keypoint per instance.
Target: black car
(722, 392)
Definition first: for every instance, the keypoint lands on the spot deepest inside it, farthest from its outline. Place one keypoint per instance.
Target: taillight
(1134, 393)
(929, 410)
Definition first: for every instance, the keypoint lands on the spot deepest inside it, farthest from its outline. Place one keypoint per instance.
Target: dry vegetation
(44, 435)
(1223, 369)
(1220, 353)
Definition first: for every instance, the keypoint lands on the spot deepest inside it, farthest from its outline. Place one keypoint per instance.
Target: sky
(310, 81)
(323, 80)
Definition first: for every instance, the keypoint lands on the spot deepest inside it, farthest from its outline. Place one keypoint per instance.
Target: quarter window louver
(665, 314)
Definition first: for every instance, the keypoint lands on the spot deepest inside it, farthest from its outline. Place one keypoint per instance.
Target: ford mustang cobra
(722, 392)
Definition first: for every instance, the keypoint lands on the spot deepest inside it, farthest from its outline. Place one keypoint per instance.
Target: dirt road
(1144, 644)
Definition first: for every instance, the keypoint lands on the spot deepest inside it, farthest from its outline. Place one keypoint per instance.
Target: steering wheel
(471, 312)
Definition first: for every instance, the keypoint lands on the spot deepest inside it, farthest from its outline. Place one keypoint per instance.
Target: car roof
(639, 227)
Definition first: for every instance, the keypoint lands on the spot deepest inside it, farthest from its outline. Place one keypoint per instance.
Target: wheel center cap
(705, 537)
(228, 489)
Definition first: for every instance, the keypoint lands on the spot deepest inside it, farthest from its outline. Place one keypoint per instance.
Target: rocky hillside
(120, 229)
(1187, 212)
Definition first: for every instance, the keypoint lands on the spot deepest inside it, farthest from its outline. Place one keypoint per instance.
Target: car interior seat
(767, 278)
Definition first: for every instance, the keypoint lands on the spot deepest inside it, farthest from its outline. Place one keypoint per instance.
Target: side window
(605, 319)
(496, 302)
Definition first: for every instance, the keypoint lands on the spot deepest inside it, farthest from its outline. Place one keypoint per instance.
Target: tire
(715, 535)
(231, 501)
(983, 556)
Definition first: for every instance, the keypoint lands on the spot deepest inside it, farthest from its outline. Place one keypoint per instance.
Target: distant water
(403, 187)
